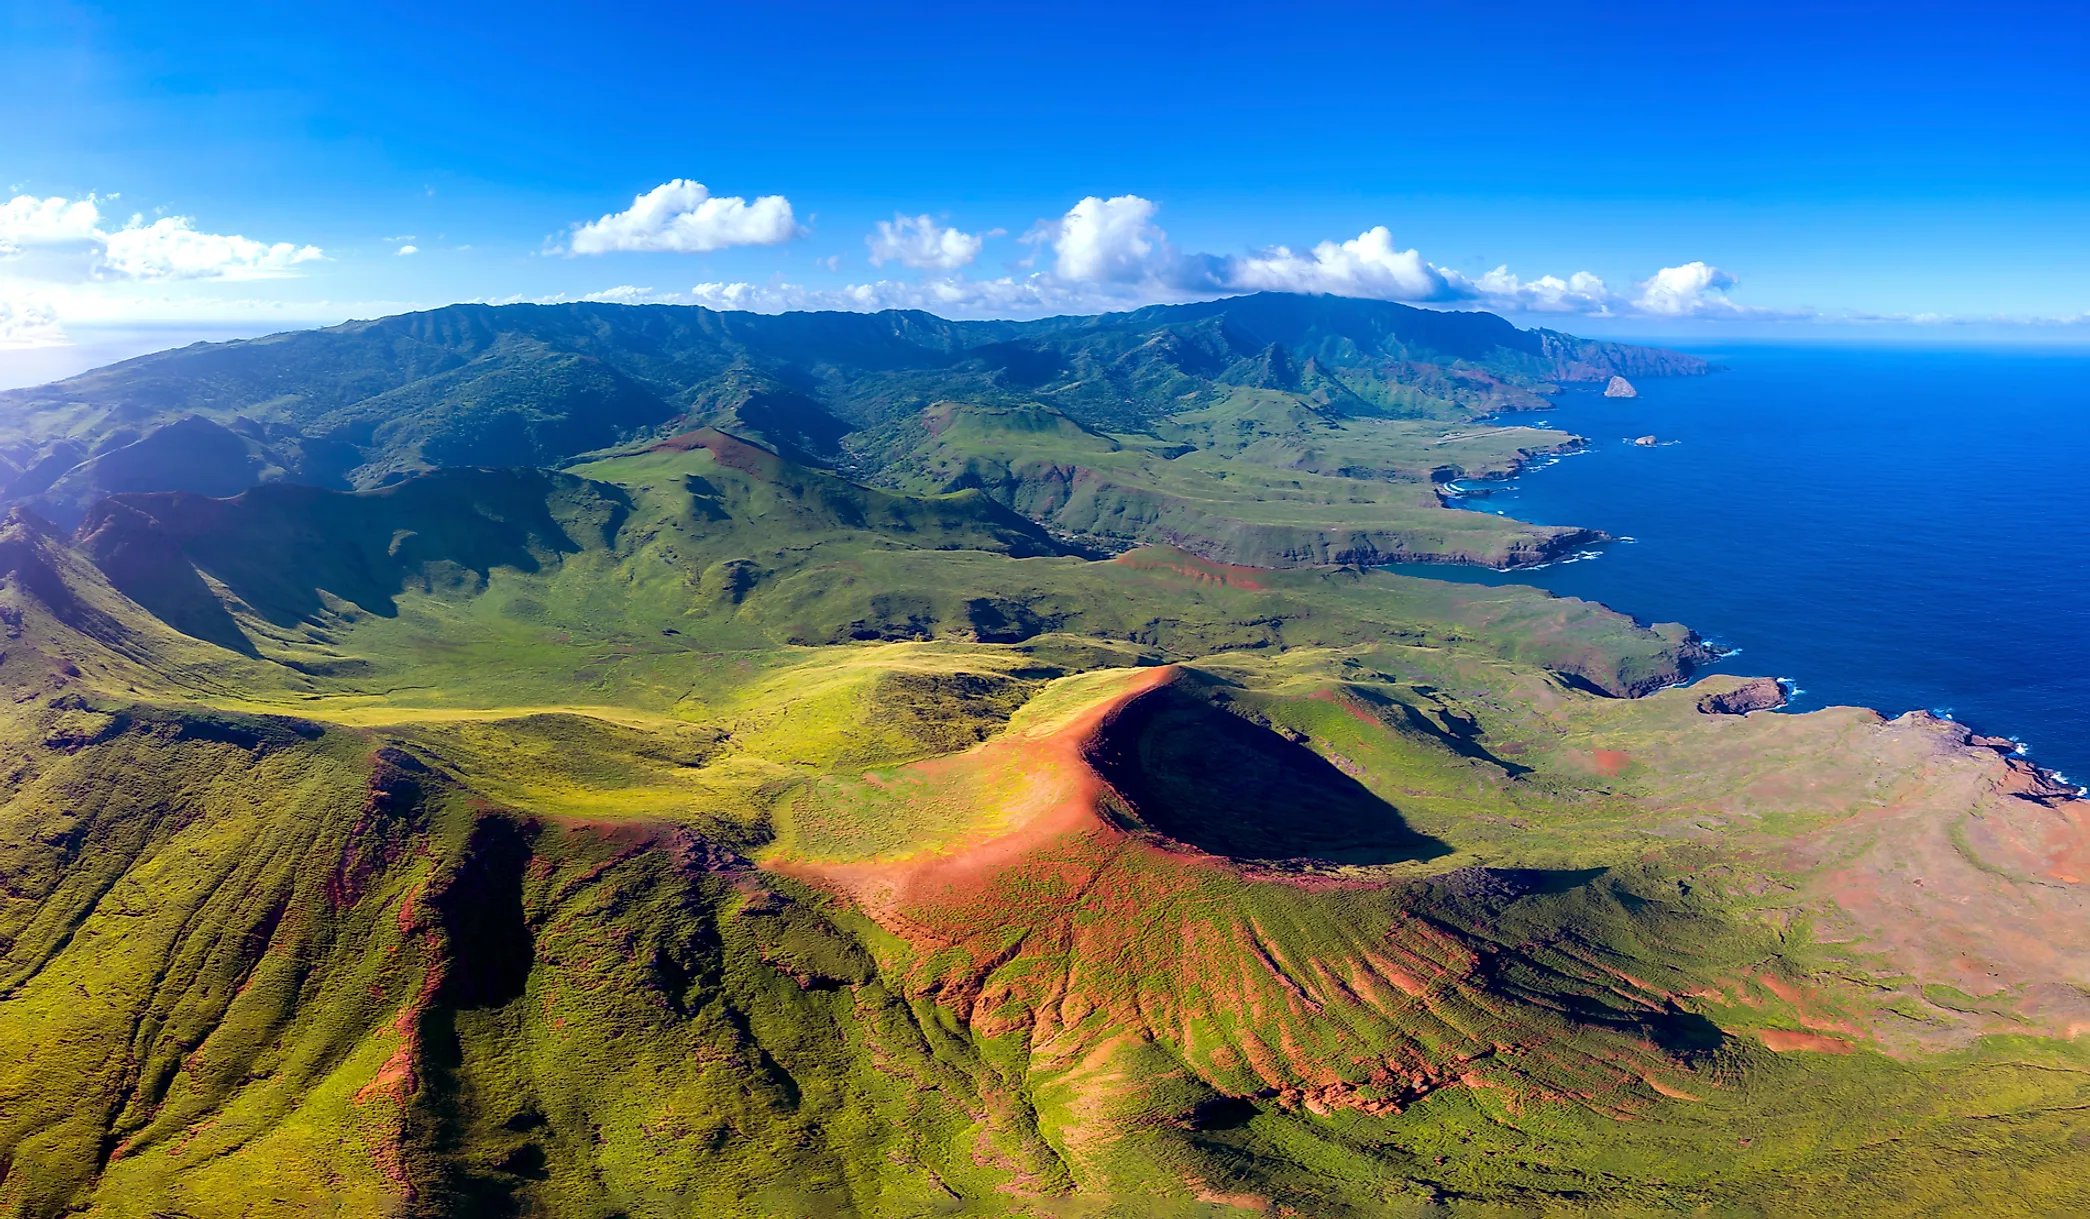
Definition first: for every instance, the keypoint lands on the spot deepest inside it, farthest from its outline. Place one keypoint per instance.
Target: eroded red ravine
(1198, 570)
(728, 450)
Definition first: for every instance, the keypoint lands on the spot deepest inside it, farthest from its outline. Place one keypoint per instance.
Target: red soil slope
(1098, 947)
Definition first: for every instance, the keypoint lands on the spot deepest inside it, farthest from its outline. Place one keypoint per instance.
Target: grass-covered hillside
(1256, 479)
(367, 403)
(695, 831)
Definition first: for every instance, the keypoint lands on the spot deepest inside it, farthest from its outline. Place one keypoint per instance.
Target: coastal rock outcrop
(2026, 781)
(2021, 777)
(1756, 694)
(1619, 387)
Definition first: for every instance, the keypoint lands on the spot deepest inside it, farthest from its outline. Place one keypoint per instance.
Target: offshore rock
(1620, 388)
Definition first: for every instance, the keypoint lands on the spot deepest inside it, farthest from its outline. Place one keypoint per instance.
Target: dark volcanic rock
(1756, 694)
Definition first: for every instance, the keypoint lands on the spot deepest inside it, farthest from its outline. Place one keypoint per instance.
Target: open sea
(1896, 527)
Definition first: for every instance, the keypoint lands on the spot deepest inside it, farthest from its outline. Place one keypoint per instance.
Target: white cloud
(1109, 241)
(27, 221)
(919, 241)
(683, 217)
(1368, 265)
(1116, 242)
(948, 296)
(27, 323)
(1108, 254)
(168, 248)
(171, 248)
(625, 294)
(1581, 293)
(45, 315)
(1694, 289)
(953, 296)
(1371, 266)
(1104, 253)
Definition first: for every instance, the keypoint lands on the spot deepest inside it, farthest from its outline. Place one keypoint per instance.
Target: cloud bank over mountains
(65, 262)
(1109, 253)
(68, 243)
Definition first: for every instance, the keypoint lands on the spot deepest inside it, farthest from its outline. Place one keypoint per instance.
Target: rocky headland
(1756, 694)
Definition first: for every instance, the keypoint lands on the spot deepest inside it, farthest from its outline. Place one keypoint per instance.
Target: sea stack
(1620, 388)
(1645, 442)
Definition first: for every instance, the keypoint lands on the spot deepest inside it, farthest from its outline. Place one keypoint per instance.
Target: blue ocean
(1894, 527)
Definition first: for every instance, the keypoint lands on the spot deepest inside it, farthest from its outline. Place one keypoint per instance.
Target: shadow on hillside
(281, 547)
(1224, 784)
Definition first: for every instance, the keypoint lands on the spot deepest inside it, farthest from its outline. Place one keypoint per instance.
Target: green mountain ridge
(364, 402)
(1256, 479)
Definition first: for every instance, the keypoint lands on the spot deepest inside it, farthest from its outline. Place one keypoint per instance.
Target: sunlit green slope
(697, 833)
(367, 403)
(1254, 479)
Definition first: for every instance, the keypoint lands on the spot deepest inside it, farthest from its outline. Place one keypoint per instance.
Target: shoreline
(1451, 491)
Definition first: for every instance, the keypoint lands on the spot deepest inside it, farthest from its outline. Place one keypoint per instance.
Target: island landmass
(596, 760)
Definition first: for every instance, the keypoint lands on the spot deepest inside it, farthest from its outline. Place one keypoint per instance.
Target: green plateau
(623, 761)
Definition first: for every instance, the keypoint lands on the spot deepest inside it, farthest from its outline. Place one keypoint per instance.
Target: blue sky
(1748, 170)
